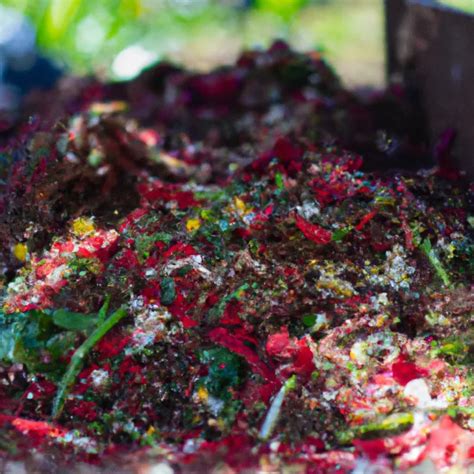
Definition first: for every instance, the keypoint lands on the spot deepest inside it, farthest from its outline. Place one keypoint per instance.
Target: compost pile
(224, 271)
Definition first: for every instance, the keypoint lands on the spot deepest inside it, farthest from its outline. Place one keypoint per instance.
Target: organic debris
(197, 270)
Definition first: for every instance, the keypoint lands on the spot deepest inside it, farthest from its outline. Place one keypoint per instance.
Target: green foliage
(82, 266)
(168, 291)
(41, 339)
(456, 349)
(392, 425)
(284, 8)
(35, 340)
(117, 38)
(309, 320)
(435, 261)
(339, 234)
(465, 5)
(145, 243)
(73, 321)
(225, 371)
(77, 360)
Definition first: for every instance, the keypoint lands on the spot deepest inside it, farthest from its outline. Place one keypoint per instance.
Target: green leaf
(73, 321)
(103, 310)
(168, 291)
(426, 245)
(163, 237)
(60, 344)
(145, 243)
(225, 370)
(290, 384)
(339, 234)
(309, 320)
(279, 181)
(34, 340)
(7, 338)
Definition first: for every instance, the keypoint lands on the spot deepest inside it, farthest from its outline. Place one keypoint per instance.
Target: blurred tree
(284, 8)
(117, 38)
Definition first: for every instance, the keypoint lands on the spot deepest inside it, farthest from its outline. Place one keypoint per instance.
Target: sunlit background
(116, 39)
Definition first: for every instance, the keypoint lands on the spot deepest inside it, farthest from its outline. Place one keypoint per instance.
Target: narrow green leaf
(393, 424)
(279, 181)
(77, 359)
(435, 261)
(104, 310)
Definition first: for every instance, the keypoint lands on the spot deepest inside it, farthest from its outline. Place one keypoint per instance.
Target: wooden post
(432, 48)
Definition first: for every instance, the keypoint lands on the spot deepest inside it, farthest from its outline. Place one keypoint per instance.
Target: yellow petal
(203, 394)
(150, 430)
(193, 224)
(83, 226)
(239, 204)
(20, 251)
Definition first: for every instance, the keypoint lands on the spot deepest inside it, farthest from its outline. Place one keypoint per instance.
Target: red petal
(37, 429)
(304, 364)
(367, 218)
(223, 337)
(313, 232)
(231, 313)
(372, 448)
(278, 345)
(180, 248)
(286, 151)
(403, 372)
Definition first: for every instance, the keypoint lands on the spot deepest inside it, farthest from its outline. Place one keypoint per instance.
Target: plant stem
(104, 310)
(275, 408)
(77, 359)
(435, 262)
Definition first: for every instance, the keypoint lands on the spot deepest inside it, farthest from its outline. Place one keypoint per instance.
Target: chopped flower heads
(242, 292)
(67, 263)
